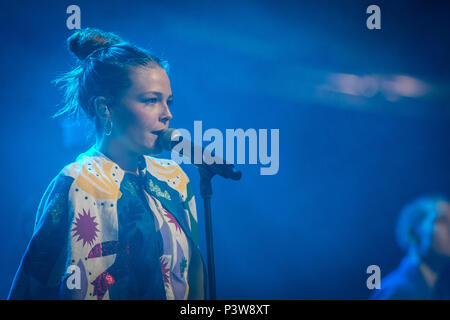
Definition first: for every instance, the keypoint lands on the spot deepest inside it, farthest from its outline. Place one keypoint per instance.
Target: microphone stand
(206, 193)
(206, 174)
(168, 139)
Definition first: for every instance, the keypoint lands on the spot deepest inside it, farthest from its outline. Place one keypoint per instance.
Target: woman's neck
(124, 158)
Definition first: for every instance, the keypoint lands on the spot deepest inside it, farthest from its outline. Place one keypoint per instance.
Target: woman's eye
(151, 100)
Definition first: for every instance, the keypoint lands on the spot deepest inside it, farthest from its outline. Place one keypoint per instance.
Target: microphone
(169, 138)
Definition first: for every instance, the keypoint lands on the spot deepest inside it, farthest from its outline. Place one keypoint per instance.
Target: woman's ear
(101, 109)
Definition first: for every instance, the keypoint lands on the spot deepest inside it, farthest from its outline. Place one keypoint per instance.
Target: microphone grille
(168, 138)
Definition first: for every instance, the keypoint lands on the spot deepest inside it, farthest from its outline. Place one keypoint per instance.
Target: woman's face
(143, 110)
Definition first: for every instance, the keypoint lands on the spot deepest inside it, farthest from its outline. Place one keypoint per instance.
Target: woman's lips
(157, 132)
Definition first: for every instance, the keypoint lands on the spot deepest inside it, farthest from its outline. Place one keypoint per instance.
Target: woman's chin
(155, 150)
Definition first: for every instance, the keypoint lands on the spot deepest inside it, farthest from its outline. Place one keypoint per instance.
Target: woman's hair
(103, 64)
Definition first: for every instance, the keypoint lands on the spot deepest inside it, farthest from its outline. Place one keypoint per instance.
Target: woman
(116, 223)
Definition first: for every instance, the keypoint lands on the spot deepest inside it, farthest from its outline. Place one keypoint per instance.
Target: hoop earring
(108, 127)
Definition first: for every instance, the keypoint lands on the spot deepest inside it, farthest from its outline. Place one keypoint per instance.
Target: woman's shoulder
(161, 163)
(91, 163)
(168, 171)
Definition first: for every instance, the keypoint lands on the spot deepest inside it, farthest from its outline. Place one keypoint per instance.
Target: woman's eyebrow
(159, 94)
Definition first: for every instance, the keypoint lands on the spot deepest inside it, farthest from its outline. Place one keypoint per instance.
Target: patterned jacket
(103, 233)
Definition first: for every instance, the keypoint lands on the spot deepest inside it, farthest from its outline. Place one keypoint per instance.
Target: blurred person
(117, 223)
(423, 231)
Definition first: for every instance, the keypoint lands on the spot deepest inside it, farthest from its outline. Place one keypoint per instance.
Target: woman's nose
(166, 115)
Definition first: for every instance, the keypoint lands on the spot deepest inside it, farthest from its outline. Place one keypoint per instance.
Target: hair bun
(85, 41)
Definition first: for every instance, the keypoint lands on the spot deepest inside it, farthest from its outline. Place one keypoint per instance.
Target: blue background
(348, 163)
